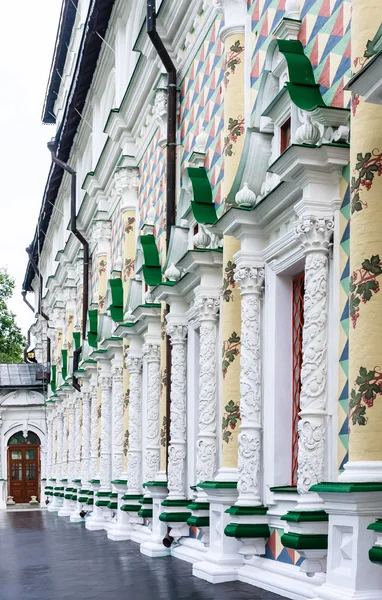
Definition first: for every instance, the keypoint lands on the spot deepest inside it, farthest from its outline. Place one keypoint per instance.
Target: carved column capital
(208, 308)
(315, 233)
(151, 352)
(105, 382)
(133, 362)
(249, 279)
(126, 184)
(177, 333)
(117, 372)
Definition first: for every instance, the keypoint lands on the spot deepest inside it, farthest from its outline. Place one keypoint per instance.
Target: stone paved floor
(44, 557)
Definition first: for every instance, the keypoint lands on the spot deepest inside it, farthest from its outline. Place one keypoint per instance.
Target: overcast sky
(26, 48)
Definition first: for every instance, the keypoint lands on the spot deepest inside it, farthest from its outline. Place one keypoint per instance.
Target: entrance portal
(24, 466)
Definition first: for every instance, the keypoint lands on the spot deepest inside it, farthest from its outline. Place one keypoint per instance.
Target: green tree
(11, 339)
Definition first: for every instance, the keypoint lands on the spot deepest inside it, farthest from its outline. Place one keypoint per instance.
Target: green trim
(375, 554)
(146, 513)
(83, 499)
(298, 541)
(90, 501)
(377, 526)
(302, 87)
(199, 506)
(93, 327)
(246, 530)
(131, 497)
(218, 485)
(53, 378)
(130, 508)
(155, 483)
(77, 339)
(346, 488)
(94, 481)
(102, 503)
(152, 271)
(103, 494)
(247, 510)
(68, 496)
(76, 480)
(144, 500)
(84, 492)
(116, 306)
(194, 521)
(175, 502)
(74, 497)
(285, 489)
(296, 516)
(113, 495)
(174, 517)
(64, 364)
(119, 481)
(202, 204)
(113, 505)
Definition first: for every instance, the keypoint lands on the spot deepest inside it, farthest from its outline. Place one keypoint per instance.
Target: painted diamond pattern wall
(152, 186)
(116, 236)
(274, 550)
(201, 106)
(325, 34)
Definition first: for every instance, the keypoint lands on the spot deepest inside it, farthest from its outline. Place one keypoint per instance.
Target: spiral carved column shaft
(151, 353)
(60, 439)
(49, 451)
(117, 420)
(315, 234)
(134, 461)
(105, 464)
(93, 432)
(71, 440)
(85, 462)
(206, 443)
(251, 281)
(77, 437)
(178, 429)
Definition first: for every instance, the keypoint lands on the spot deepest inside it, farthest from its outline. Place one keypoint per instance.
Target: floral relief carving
(77, 440)
(118, 408)
(235, 130)
(364, 393)
(85, 446)
(249, 464)
(311, 447)
(134, 364)
(93, 432)
(363, 284)
(105, 383)
(151, 354)
(367, 166)
(231, 349)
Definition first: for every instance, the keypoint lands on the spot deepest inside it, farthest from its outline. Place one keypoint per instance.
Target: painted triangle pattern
(116, 236)
(274, 550)
(201, 107)
(325, 34)
(152, 186)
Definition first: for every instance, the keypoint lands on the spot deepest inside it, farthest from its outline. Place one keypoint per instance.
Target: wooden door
(23, 469)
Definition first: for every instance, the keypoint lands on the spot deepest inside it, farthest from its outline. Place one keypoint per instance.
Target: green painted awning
(53, 378)
(64, 364)
(116, 306)
(77, 339)
(302, 87)
(93, 328)
(152, 271)
(202, 203)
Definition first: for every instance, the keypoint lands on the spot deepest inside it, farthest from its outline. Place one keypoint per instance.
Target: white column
(49, 444)
(117, 420)
(55, 458)
(105, 383)
(134, 459)
(93, 466)
(176, 477)
(151, 354)
(315, 234)
(77, 437)
(206, 444)
(251, 281)
(60, 441)
(85, 463)
(72, 439)
(65, 441)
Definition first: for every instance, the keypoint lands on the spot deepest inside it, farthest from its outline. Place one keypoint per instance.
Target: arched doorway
(24, 466)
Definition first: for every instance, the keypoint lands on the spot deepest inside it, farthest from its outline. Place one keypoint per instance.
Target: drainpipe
(41, 283)
(170, 167)
(85, 245)
(48, 346)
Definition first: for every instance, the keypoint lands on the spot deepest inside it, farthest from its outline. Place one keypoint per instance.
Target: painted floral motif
(129, 225)
(363, 284)
(70, 319)
(126, 398)
(102, 266)
(163, 324)
(229, 282)
(367, 386)
(126, 439)
(99, 411)
(230, 420)
(99, 447)
(230, 351)
(128, 268)
(354, 103)
(70, 346)
(233, 59)
(163, 380)
(372, 47)
(235, 130)
(101, 301)
(367, 166)
(163, 432)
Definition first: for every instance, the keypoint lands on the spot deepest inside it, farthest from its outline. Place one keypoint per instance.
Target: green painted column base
(298, 541)
(375, 555)
(246, 530)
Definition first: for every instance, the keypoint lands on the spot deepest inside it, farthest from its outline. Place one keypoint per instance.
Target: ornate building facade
(214, 329)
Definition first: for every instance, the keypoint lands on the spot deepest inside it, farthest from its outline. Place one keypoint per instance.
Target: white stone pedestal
(352, 507)
(222, 560)
(120, 529)
(154, 546)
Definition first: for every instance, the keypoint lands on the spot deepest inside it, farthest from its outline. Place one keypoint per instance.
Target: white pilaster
(105, 383)
(134, 460)
(117, 419)
(151, 355)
